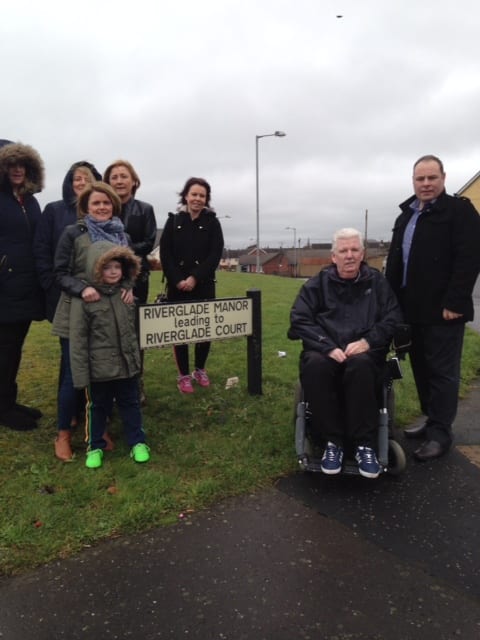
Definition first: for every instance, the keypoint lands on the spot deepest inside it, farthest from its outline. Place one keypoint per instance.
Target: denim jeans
(100, 397)
(70, 400)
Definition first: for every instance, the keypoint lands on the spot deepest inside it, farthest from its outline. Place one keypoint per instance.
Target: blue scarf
(112, 230)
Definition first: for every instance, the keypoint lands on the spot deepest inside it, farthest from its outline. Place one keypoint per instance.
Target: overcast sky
(182, 88)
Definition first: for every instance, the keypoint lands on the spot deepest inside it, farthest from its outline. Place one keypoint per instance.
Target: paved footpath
(314, 557)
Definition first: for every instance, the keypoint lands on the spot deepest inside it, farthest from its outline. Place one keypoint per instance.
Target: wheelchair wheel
(394, 431)
(397, 461)
(297, 398)
(303, 446)
(391, 409)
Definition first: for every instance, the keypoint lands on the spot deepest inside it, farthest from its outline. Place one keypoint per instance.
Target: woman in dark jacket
(138, 218)
(55, 217)
(140, 223)
(21, 175)
(190, 249)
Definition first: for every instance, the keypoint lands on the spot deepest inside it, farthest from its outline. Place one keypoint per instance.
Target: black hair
(189, 184)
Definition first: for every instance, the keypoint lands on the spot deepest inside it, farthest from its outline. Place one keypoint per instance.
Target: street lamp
(278, 134)
(294, 229)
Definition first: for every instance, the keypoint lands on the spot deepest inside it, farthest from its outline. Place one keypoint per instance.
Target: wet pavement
(314, 557)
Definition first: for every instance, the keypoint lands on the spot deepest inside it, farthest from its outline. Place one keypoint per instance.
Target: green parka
(103, 341)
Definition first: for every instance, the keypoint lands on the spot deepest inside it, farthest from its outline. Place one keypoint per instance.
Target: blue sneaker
(332, 459)
(368, 465)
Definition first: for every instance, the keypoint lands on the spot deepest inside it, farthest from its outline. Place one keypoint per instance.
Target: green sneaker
(94, 459)
(140, 452)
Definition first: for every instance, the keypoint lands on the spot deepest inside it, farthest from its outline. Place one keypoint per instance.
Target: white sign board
(163, 325)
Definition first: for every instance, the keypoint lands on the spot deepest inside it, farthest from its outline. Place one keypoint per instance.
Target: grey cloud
(182, 90)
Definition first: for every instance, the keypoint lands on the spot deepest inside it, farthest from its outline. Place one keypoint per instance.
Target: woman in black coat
(21, 175)
(140, 223)
(190, 249)
(55, 217)
(138, 218)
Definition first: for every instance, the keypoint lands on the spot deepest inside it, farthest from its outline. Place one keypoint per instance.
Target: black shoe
(17, 420)
(430, 450)
(419, 431)
(36, 414)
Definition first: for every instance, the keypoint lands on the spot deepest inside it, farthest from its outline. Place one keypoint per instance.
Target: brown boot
(110, 446)
(63, 448)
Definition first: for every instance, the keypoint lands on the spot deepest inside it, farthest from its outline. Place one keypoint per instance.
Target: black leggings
(203, 291)
(202, 350)
(12, 337)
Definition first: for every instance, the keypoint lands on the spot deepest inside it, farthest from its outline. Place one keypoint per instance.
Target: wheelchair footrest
(350, 467)
(313, 465)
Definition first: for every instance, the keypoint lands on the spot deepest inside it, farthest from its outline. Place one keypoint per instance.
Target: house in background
(248, 261)
(228, 263)
(471, 190)
(304, 262)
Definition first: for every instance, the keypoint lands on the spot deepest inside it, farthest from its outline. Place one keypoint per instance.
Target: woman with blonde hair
(140, 223)
(137, 216)
(55, 217)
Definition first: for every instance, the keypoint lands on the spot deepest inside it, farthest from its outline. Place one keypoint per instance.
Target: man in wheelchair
(346, 317)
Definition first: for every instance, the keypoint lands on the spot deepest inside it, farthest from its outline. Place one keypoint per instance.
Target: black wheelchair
(390, 453)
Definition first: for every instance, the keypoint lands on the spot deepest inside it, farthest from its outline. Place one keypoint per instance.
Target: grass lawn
(215, 443)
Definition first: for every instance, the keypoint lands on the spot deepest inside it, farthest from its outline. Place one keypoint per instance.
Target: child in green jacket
(104, 351)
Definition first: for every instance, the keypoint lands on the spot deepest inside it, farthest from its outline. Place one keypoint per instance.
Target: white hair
(346, 234)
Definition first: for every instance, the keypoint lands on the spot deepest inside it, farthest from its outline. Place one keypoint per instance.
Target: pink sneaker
(200, 376)
(184, 384)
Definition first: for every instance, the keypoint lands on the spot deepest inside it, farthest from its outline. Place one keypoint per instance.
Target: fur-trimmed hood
(15, 152)
(102, 252)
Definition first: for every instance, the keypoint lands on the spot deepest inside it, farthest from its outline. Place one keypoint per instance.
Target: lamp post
(278, 134)
(294, 229)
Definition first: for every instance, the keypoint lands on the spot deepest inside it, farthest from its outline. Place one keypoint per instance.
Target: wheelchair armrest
(394, 371)
(402, 339)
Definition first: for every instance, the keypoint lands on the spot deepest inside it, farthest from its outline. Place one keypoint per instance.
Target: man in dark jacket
(345, 317)
(432, 265)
